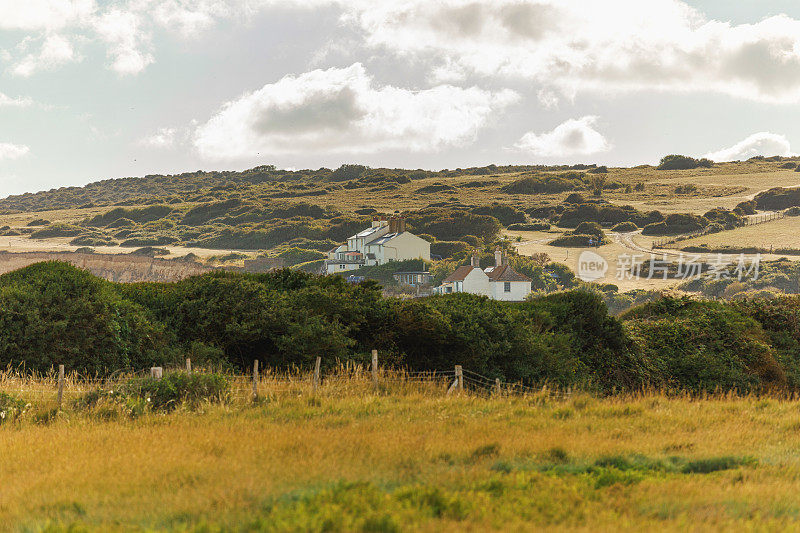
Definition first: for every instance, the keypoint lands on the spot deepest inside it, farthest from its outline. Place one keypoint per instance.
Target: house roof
(505, 273)
(459, 275)
(367, 232)
(383, 239)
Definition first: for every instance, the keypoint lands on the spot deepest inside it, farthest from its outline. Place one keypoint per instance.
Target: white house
(500, 282)
(386, 240)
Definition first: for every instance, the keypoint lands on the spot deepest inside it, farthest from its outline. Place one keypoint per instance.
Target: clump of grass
(11, 407)
(176, 388)
(485, 451)
(715, 464)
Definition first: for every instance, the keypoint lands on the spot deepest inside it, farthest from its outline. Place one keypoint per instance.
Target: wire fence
(339, 381)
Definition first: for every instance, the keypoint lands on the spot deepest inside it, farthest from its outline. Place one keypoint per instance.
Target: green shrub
(58, 229)
(532, 226)
(548, 183)
(704, 346)
(506, 214)
(348, 172)
(176, 388)
(295, 256)
(675, 224)
(687, 188)
(447, 249)
(575, 198)
(89, 240)
(727, 219)
(682, 162)
(589, 228)
(748, 207)
(778, 198)
(141, 215)
(11, 407)
(625, 227)
(453, 224)
(53, 313)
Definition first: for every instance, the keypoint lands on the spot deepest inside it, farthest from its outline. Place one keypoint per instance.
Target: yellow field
(618, 255)
(782, 233)
(409, 458)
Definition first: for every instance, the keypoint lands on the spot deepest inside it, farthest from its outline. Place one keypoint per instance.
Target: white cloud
(762, 143)
(12, 151)
(54, 52)
(7, 101)
(570, 138)
(589, 45)
(163, 138)
(341, 111)
(43, 14)
(123, 32)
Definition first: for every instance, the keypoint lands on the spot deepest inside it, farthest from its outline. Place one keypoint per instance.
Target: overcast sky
(95, 89)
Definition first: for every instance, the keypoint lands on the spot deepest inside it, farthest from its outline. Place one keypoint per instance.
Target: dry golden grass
(781, 233)
(406, 457)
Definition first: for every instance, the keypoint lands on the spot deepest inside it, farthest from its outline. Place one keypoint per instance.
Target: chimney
(383, 221)
(476, 261)
(498, 258)
(393, 225)
(401, 224)
(376, 222)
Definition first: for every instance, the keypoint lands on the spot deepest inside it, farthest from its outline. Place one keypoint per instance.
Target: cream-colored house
(386, 240)
(500, 282)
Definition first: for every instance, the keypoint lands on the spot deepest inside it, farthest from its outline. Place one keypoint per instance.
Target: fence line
(752, 220)
(265, 382)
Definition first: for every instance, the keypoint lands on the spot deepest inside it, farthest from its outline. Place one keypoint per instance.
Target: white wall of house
(400, 248)
(518, 290)
(334, 267)
(477, 282)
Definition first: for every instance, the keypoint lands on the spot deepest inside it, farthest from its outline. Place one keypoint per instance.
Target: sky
(96, 89)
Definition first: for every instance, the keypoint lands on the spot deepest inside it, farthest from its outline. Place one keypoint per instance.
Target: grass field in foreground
(351, 460)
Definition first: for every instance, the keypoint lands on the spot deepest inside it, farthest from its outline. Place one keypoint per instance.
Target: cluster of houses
(387, 240)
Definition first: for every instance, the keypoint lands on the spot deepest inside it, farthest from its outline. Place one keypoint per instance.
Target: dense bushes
(625, 227)
(703, 346)
(547, 183)
(606, 214)
(530, 226)
(53, 314)
(682, 162)
(506, 214)
(447, 249)
(585, 234)
(453, 224)
(675, 224)
(778, 198)
(177, 388)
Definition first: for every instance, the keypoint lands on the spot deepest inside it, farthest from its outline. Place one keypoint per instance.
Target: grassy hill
(300, 214)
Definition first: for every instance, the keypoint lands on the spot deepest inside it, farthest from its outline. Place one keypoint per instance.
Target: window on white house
(506, 286)
(449, 289)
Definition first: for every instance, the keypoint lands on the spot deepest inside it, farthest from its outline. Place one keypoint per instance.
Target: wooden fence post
(497, 385)
(375, 367)
(316, 374)
(188, 366)
(156, 372)
(60, 384)
(255, 379)
(460, 378)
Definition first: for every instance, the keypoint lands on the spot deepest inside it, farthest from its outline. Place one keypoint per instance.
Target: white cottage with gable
(384, 241)
(499, 282)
